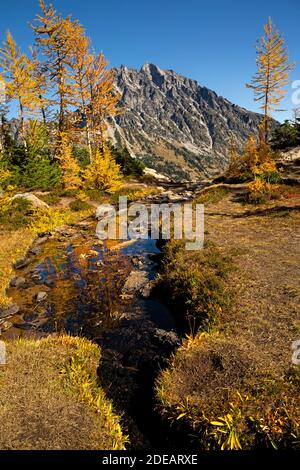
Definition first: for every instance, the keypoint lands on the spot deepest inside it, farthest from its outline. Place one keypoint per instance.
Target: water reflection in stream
(83, 280)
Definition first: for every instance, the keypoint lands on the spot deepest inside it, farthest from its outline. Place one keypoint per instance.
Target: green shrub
(95, 194)
(51, 199)
(79, 205)
(130, 166)
(196, 284)
(62, 192)
(81, 155)
(39, 173)
(286, 135)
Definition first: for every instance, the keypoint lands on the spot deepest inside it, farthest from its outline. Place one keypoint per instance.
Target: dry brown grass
(243, 371)
(49, 398)
(214, 365)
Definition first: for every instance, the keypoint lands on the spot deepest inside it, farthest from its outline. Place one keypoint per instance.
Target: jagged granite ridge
(175, 125)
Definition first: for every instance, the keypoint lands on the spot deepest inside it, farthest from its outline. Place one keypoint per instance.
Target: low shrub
(212, 196)
(15, 214)
(52, 199)
(79, 205)
(196, 284)
(103, 173)
(45, 220)
(20, 213)
(261, 192)
(95, 194)
(256, 161)
(267, 172)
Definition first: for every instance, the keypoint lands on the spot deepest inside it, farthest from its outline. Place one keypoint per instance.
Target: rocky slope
(178, 127)
(289, 163)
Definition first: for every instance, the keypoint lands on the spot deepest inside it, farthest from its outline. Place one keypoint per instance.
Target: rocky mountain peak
(176, 126)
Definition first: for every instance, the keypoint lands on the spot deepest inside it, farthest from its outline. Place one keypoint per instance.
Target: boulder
(36, 277)
(41, 296)
(135, 281)
(41, 240)
(13, 309)
(5, 325)
(145, 291)
(35, 250)
(155, 174)
(34, 200)
(21, 263)
(167, 338)
(18, 282)
(138, 261)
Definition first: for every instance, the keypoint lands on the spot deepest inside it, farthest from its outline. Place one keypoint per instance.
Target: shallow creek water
(79, 281)
(83, 280)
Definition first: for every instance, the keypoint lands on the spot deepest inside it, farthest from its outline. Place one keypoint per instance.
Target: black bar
(204, 460)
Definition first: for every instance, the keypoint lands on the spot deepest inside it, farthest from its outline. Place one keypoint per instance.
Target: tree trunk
(2, 144)
(87, 125)
(267, 106)
(22, 130)
(61, 117)
(43, 110)
(88, 140)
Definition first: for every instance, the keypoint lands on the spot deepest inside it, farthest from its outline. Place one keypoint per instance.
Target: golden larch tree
(18, 74)
(51, 33)
(272, 74)
(41, 85)
(103, 173)
(3, 111)
(103, 99)
(83, 87)
(81, 61)
(69, 166)
(94, 90)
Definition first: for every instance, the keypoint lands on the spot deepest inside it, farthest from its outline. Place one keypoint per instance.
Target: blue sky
(212, 41)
